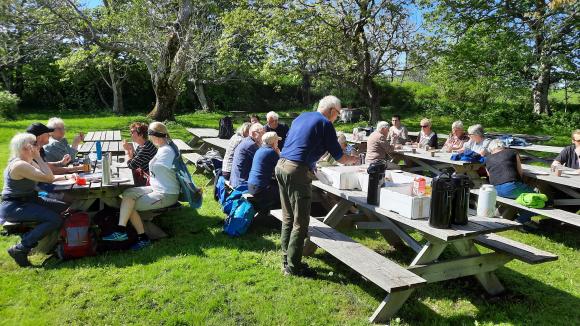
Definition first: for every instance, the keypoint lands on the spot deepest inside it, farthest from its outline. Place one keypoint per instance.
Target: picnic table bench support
(394, 235)
(488, 280)
(389, 306)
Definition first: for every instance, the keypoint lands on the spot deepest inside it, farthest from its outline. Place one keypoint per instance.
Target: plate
(64, 182)
(119, 180)
(568, 172)
(396, 171)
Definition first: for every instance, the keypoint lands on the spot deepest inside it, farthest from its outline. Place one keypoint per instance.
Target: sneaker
(305, 271)
(141, 244)
(284, 265)
(20, 256)
(116, 236)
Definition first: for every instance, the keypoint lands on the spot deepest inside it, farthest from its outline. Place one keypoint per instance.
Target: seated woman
(163, 191)
(20, 201)
(477, 142)
(57, 146)
(427, 137)
(570, 155)
(138, 159)
(456, 139)
(236, 139)
(504, 168)
(261, 182)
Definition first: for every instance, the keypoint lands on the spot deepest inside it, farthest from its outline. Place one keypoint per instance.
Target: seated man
(378, 147)
(42, 134)
(138, 159)
(477, 142)
(58, 146)
(456, 139)
(261, 182)
(280, 129)
(233, 143)
(244, 154)
(328, 160)
(398, 134)
(427, 137)
(569, 155)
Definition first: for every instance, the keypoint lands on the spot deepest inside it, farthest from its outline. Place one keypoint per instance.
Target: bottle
(86, 164)
(99, 150)
(419, 185)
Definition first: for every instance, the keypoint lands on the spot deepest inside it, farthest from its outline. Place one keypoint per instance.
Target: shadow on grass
(566, 234)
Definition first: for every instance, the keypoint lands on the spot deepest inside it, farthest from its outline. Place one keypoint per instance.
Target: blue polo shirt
(263, 166)
(243, 156)
(310, 136)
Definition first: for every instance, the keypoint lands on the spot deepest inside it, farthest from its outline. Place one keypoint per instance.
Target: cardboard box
(399, 199)
(342, 177)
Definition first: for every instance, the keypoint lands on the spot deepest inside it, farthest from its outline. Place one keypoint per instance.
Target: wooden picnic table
(106, 135)
(85, 196)
(111, 141)
(215, 143)
(428, 263)
(197, 134)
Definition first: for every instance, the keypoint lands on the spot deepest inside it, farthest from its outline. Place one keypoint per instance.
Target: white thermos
(106, 168)
(486, 201)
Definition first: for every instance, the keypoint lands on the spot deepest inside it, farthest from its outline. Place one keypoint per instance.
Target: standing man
(312, 134)
(280, 129)
(398, 133)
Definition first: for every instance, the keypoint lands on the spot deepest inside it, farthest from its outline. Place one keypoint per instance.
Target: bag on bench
(188, 191)
(226, 128)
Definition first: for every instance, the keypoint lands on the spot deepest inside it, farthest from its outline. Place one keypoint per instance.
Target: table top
(221, 143)
(108, 135)
(476, 225)
(539, 148)
(545, 174)
(441, 157)
(203, 132)
(123, 173)
(107, 146)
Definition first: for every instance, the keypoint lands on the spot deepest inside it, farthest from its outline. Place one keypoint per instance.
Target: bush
(8, 105)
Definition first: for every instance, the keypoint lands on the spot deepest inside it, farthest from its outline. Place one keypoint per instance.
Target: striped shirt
(229, 156)
(143, 154)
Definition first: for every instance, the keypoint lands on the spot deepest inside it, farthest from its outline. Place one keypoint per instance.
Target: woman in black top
(505, 174)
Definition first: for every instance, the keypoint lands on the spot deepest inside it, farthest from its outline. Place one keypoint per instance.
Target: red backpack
(77, 238)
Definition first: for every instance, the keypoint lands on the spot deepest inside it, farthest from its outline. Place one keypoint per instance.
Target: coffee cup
(413, 150)
(432, 153)
(558, 172)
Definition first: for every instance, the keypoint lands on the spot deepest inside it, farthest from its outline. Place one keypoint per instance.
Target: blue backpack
(240, 218)
(235, 195)
(189, 192)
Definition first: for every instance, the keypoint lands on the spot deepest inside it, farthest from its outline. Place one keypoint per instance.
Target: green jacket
(532, 200)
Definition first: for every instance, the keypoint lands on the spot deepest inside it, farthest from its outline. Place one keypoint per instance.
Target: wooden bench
(557, 214)
(388, 275)
(192, 158)
(515, 249)
(182, 146)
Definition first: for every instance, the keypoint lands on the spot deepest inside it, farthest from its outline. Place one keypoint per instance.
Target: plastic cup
(432, 154)
(413, 150)
(81, 181)
(558, 172)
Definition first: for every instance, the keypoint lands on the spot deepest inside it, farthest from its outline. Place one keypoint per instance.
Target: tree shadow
(559, 232)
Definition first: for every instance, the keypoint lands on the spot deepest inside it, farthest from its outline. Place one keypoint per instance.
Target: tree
(549, 28)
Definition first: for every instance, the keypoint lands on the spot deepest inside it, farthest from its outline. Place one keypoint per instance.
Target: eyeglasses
(337, 110)
(576, 140)
(60, 128)
(424, 126)
(133, 131)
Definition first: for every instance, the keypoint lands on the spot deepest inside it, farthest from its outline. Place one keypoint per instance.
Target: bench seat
(376, 268)
(182, 146)
(515, 249)
(557, 214)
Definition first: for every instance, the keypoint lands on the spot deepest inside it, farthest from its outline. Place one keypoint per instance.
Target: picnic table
(427, 264)
(526, 150)
(110, 141)
(215, 143)
(84, 196)
(197, 134)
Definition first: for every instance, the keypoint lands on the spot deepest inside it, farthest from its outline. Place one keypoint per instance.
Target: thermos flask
(459, 212)
(441, 201)
(376, 171)
(486, 201)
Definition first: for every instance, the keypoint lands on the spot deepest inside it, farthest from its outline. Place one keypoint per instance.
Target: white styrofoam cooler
(399, 200)
(342, 177)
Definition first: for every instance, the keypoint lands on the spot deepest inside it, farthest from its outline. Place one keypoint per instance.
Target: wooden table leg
(394, 235)
(83, 205)
(389, 306)
(488, 280)
(429, 253)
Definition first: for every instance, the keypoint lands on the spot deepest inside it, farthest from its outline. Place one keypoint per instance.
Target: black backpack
(226, 130)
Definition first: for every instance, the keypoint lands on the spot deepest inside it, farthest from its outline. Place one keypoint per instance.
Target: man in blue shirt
(244, 154)
(261, 183)
(311, 135)
(280, 129)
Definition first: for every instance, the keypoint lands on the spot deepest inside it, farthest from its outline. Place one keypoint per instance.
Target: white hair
(269, 138)
(256, 127)
(244, 128)
(382, 125)
(495, 144)
(327, 103)
(272, 115)
(457, 125)
(18, 142)
(475, 130)
(341, 137)
(425, 121)
(54, 122)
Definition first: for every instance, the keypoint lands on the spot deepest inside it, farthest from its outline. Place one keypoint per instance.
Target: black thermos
(376, 171)
(460, 199)
(441, 201)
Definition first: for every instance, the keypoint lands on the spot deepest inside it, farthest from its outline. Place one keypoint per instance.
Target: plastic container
(419, 185)
(486, 201)
(99, 147)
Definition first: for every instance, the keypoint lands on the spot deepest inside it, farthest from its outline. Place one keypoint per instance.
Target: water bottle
(99, 150)
(486, 201)
(107, 169)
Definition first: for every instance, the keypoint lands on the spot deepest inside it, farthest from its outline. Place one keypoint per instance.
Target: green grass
(201, 276)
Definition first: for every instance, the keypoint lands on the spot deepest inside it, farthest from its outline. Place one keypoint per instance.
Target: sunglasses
(424, 126)
(576, 140)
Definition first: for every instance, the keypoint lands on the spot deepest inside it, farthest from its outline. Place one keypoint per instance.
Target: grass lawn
(201, 276)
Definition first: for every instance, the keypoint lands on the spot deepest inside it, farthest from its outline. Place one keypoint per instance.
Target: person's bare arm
(24, 170)
(348, 160)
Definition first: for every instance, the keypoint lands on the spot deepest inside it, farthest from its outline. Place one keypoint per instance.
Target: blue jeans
(45, 211)
(512, 190)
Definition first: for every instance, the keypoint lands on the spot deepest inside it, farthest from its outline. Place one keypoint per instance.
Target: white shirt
(478, 147)
(163, 177)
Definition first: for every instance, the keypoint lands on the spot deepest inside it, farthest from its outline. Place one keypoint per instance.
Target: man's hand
(78, 139)
(65, 160)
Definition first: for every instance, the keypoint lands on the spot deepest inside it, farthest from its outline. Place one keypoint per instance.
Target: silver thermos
(106, 168)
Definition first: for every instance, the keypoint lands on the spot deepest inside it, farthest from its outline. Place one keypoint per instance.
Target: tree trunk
(540, 90)
(118, 107)
(200, 93)
(165, 101)
(305, 88)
